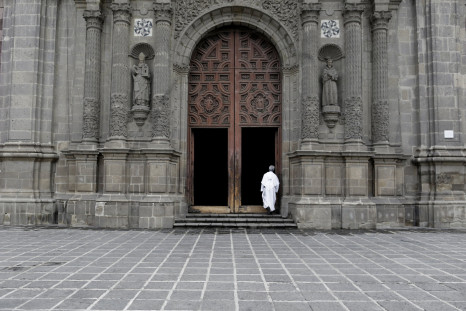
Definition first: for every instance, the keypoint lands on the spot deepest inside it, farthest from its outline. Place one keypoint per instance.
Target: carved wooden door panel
(234, 83)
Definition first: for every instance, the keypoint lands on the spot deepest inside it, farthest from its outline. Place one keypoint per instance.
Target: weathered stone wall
(1, 30)
(75, 149)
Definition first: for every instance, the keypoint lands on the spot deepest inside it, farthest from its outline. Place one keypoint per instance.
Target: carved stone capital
(121, 12)
(310, 13)
(380, 20)
(352, 13)
(163, 12)
(94, 19)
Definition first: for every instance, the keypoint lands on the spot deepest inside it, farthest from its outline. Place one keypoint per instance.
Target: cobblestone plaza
(232, 269)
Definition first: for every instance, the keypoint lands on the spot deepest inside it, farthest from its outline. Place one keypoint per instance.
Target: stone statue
(329, 79)
(141, 87)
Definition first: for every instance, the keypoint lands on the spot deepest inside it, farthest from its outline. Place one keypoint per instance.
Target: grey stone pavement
(231, 269)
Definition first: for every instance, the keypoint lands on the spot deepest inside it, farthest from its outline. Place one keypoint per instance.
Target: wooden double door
(234, 120)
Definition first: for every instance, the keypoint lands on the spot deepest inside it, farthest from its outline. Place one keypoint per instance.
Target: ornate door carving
(234, 82)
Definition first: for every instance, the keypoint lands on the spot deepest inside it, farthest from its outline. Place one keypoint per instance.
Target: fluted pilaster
(161, 82)
(119, 105)
(353, 73)
(91, 101)
(380, 109)
(310, 79)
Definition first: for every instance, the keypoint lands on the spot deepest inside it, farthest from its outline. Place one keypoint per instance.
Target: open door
(234, 120)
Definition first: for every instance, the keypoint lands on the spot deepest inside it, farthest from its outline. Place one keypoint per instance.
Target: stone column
(91, 101)
(160, 113)
(310, 79)
(380, 109)
(121, 77)
(353, 75)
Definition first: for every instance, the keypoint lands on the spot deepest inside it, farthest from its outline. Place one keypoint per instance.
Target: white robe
(269, 188)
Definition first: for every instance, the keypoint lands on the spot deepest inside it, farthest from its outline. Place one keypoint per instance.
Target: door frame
(234, 146)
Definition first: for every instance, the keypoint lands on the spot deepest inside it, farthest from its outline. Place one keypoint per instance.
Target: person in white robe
(269, 188)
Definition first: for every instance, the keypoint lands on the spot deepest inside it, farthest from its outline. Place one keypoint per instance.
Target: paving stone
(219, 295)
(141, 304)
(214, 305)
(295, 306)
(255, 305)
(76, 304)
(182, 305)
(246, 295)
(363, 306)
(327, 306)
(399, 306)
(169, 270)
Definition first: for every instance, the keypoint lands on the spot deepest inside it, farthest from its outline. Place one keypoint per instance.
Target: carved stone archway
(277, 33)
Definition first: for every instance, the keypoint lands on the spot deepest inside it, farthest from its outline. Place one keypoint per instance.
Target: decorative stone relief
(160, 116)
(91, 115)
(143, 27)
(380, 121)
(310, 119)
(119, 115)
(286, 11)
(330, 28)
(353, 116)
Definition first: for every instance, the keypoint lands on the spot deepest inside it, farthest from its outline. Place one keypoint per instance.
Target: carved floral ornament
(285, 11)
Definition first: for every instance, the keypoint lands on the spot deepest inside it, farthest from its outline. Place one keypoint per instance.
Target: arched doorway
(234, 120)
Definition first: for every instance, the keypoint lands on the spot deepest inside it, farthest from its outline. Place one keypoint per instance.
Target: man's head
(271, 168)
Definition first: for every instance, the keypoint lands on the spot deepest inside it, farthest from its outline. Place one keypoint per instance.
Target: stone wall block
(358, 217)
(385, 183)
(333, 180)
(312, 182)
(157, 177)
(356, 179)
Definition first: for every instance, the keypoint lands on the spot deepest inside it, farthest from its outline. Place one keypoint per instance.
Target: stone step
(235, 225)
(225, 219)
(234, 220)
(191, 215)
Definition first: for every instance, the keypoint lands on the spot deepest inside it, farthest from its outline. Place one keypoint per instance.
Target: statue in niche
(330, 108)
(141, 90)
(141, 77)
(329, 80)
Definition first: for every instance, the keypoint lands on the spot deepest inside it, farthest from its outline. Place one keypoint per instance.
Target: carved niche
(141, 82)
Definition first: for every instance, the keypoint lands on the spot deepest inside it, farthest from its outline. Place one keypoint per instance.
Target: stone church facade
(133, 113)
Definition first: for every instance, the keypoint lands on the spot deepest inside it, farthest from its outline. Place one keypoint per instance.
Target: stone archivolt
(286, 11)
